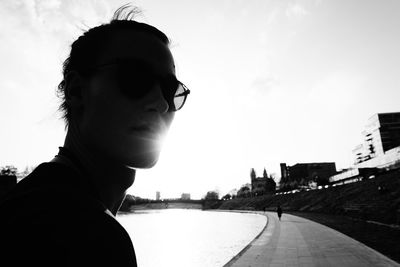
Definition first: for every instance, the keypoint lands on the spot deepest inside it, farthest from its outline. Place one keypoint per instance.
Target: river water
(190, 238)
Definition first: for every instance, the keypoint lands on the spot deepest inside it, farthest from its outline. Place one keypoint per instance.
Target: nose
(156, 101)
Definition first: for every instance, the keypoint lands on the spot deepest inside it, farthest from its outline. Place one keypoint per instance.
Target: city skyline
(270, 81)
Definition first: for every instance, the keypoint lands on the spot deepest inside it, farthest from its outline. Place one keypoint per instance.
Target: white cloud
(295, 10)
(318, 2)
(272, 17)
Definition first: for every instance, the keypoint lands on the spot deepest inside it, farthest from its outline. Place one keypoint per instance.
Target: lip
(142, 128)
(146, 129)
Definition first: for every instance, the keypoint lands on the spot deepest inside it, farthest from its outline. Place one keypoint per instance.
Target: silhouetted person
(119, 96)
(279, 211)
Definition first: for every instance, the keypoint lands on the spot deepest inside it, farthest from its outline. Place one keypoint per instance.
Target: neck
(111, 179)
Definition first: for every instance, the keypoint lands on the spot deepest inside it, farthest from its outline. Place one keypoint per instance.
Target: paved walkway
(295, 241)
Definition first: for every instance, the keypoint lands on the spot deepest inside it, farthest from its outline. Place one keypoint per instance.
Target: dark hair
(87, 48)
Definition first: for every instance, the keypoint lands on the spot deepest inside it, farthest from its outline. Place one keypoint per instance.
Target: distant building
(262, 185)
(381, 144)
(158, 195)
(305, 173)
(185, 196)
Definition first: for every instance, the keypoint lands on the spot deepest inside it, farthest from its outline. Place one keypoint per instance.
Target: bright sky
(271, 81)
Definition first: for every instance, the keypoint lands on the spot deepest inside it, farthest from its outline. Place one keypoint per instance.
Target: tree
(8, 170)
(227, 197)
(244, 191)
(211, 195)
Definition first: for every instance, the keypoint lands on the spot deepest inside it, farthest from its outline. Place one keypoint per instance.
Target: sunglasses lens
(179, 97)
(136, 80)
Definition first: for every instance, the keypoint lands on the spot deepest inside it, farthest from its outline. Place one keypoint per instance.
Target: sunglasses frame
(120, 61)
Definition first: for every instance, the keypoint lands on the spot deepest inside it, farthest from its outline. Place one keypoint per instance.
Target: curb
(237, 256)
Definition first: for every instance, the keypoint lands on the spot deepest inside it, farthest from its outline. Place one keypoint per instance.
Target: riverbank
(163, 205)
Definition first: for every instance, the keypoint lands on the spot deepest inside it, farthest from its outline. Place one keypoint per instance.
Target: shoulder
(80, 236)
(51, 213)
(95, 236)
(46, 176)
(48, 185)
(76, 239)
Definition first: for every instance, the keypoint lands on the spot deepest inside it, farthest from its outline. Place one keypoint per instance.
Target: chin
(144, 162)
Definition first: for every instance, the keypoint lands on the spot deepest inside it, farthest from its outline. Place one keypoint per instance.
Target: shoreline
(240, 254)
(161, 206)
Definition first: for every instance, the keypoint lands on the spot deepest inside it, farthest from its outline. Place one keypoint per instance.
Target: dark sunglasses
(136, 78)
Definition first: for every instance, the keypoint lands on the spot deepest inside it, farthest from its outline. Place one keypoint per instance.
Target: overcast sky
(271, 81)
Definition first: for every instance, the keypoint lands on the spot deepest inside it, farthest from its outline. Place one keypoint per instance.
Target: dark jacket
(54, 218)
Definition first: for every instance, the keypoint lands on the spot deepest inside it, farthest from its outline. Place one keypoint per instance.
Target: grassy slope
(376, 206)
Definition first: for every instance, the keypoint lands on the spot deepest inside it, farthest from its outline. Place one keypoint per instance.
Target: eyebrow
(119, 60)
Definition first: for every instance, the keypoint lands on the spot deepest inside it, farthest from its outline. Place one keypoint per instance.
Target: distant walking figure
(279, 211)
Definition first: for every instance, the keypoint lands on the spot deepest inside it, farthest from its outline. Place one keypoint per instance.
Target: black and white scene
(178, 133)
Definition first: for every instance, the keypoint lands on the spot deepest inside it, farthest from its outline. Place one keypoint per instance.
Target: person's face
(121, 128)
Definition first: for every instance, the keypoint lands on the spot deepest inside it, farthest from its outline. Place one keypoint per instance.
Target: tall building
(381, 141)
(158, 195)
(185, 196)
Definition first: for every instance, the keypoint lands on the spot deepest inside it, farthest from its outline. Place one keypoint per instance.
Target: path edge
(237, 256)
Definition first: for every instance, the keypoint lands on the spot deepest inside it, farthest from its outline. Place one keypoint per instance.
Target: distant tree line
(131, 200)
(8, 170)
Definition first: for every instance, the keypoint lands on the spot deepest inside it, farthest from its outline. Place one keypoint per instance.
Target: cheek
(110, 106)
(107, 117)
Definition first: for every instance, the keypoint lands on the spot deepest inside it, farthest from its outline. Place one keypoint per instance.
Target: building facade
(185, 196)
(262, 185)
(305, 173)
(381, 141)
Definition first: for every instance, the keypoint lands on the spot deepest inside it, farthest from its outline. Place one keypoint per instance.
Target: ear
(74, 85)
